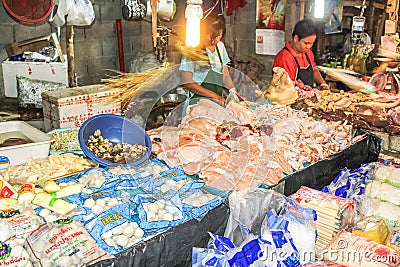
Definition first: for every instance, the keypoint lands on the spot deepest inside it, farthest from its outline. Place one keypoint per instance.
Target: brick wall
(96, 46)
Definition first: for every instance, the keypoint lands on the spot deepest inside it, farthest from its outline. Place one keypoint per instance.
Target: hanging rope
(362, 8)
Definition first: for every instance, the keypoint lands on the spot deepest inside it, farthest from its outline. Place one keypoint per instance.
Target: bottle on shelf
(350, 59)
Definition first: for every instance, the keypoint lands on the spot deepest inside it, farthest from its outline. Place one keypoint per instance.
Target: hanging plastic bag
(80, 12)
(281, 90)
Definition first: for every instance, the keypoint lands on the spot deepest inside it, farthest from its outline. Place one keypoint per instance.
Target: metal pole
(120, 46)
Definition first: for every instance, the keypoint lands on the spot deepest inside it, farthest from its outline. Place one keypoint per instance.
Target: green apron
(213, 80)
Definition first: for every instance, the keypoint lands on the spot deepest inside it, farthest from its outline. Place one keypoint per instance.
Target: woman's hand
(324, 86)
(220, 100)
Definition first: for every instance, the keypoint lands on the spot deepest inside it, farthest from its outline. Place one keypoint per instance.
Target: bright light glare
(319, 9)
(192, 31)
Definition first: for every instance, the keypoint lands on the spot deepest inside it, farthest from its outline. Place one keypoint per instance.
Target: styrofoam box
(52, 72)
(70, 107)
(19, 154)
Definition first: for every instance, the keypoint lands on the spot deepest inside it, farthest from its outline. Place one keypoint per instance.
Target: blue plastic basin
(117, 129)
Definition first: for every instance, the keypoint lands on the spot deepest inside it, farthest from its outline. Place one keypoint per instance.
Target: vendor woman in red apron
(297, 58)
(209, 80)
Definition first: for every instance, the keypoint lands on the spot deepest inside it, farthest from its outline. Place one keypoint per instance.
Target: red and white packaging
(6, 190)
(356, 251)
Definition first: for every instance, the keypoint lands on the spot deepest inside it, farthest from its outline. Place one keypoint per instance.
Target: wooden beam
(379, 31)
(352, 2)
(71, 56)
(379, 5)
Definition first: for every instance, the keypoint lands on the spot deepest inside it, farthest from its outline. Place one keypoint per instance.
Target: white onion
(117, 230)
(152, 207)
(44, 212)
(76, 259)
(168, 216)
(112, 202)
(64, 261)
(96, 209)
(106, 235)
(101, 202)
(134, 225)
(128, 231)
(89, 203)
(110, 242)
(122, 240)
(138, 233)
(161, 204)
(17, 249)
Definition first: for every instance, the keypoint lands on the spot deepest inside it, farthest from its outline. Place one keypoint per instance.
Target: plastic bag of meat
(353, 251)
(281, 91)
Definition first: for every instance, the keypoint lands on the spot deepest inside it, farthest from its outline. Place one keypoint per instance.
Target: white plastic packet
(63, 243)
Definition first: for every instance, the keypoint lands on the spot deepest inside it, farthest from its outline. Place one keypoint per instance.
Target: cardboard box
(34, 45)
(71, 107)
(52, 72)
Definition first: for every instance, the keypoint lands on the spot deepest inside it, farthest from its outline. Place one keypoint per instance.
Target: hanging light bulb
(319, 9)
(193, 14)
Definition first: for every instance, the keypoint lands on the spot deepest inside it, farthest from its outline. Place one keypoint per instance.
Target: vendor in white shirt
(213, 80)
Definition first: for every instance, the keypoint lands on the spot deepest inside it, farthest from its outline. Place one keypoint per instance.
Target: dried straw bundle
(130, 83)
(195, 54)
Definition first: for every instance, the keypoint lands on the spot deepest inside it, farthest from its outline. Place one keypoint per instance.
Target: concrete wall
(96, 46)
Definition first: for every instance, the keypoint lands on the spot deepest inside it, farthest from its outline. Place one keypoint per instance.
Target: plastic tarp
(323, 172)
(173, 247)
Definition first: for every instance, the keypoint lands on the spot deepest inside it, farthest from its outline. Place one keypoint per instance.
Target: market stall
(133, 172)
(85, 193)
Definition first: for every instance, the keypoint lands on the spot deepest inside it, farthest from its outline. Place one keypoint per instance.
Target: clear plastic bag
(249, 208)
(232, 97)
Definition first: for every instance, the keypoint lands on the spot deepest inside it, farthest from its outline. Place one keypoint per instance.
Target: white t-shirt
(200, 73)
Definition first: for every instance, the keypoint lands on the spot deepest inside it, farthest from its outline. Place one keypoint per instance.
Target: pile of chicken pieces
(235, 147)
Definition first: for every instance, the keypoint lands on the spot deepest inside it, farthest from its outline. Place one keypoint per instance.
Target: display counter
(174, 247)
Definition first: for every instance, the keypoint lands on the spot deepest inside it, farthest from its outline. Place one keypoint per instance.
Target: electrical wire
(210, 10)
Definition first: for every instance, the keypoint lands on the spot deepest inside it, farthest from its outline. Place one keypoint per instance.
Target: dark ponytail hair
(304, 28)
(210, 27)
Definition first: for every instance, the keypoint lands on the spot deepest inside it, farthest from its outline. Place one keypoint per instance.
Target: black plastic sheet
(173, 247)
(323, 172)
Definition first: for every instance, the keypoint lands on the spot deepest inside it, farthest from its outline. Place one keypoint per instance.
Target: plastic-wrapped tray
(65, 140)
(59, 166)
